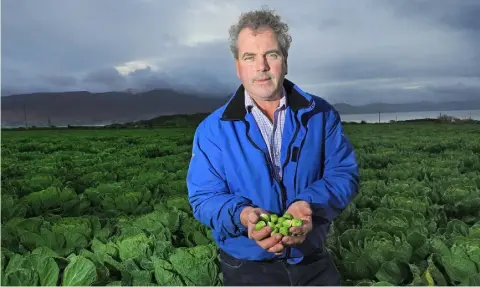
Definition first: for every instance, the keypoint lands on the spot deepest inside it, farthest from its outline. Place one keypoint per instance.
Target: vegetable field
(109, 207)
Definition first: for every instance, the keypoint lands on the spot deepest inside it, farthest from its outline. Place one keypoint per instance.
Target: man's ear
(286, 66)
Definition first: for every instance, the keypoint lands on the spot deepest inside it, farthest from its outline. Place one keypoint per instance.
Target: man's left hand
(299, 209)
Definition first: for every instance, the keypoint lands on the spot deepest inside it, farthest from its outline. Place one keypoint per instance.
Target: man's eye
(273, 56)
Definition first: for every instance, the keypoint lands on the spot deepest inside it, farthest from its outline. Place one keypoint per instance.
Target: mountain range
(86, 108)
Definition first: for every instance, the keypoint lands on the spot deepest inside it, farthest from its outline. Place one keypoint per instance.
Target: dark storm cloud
(147, 79)
(349, 69)
(198, 76)
(459, 18)
(456, 92)
(466, 18)
(80, 36)
(357, 93)
(458, 14)
(60, 81)
(108, 77)
(350, 51)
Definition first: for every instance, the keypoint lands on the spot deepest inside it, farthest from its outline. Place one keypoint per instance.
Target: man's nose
(262, 64)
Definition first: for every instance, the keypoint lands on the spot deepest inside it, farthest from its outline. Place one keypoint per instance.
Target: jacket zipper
(282, 188)
(265, 156)
(288, 249)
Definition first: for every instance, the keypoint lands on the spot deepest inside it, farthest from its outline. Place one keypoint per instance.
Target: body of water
(402, 116)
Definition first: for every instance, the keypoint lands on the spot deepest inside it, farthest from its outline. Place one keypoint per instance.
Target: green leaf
(4, 262)
(420, 245)
(3, 278)
(31, 240)
(438, 246)
(416, 273)
(22, 277)
(383, 283)
(196, 265)
(79, 272)
(393, 271)
(53, 240)
(432, 274)
(141, 278)
(199, 238)
(16, 262)
(46, 268)
(112, 264)
(357, 269)
(163, 249)
(103, 233)
(457, 227)
(458, 268)
(136, 246)
(45, 251)
(75, 240)
(103, 273)
(473, 280)
(146, 264)
(165, 274)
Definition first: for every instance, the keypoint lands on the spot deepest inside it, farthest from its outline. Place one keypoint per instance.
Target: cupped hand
(299, 209)
(249, 218)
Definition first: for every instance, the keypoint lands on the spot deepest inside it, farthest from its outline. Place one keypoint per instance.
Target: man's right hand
(249, 217)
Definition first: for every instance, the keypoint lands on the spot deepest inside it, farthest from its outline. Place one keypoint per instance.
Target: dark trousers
(317, 269)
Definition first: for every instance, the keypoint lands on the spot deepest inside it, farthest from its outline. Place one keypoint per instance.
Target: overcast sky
(344, 51)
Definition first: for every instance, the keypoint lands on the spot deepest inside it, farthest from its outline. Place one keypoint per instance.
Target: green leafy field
(109, 207)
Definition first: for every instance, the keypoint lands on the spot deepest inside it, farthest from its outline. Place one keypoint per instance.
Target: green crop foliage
(109, 207)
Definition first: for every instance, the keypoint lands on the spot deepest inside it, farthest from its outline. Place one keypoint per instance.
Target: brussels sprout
(297, 222)
(265, 217)
(284, 231)
(275, 231)
(273, 218)
(260, 225)
(278, 224)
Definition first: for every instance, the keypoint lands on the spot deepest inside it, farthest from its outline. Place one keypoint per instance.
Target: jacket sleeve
(212, 202)
(331, 194)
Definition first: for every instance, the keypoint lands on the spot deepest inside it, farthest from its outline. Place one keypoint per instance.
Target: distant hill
(190, 120)
(407, 107)
(85, 108)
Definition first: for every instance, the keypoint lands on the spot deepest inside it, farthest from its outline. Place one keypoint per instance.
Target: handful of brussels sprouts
(279, 224)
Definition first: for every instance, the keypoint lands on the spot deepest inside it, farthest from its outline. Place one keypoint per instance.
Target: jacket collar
(235, 109)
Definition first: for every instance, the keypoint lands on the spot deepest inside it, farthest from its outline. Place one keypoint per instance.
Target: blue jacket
(229, 171)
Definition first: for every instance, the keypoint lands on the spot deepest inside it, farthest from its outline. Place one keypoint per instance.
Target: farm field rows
(109, 207)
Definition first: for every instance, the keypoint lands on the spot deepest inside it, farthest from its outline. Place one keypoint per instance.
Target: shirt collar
(249, 103)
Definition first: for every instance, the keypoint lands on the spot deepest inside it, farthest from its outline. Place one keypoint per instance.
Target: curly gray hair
(255, 20)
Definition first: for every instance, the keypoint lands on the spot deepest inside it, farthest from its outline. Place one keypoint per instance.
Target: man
(271, 148)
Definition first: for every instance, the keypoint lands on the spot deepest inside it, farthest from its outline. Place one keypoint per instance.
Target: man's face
(261, 67)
